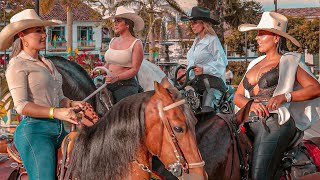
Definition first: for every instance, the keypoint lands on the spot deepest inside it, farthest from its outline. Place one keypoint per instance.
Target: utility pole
(246, 47)
(37, 6)
(275, 5)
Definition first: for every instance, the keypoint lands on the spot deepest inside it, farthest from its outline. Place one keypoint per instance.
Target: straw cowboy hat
(21, 21)
(200, 13)
(125, 12)
(272, 22)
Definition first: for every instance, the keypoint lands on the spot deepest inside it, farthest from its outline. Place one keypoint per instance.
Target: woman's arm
(37, 111)
(310, 90)
(217, 64)
(310, 86)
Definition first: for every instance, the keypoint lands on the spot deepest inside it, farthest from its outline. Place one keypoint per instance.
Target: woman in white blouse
(207, 57)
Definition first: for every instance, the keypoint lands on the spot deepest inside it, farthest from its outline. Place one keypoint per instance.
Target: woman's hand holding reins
(259, 109)
(275, 102)
(66, 114)
(85, 110)
(110, 79)
(96, 73)
(198, 70)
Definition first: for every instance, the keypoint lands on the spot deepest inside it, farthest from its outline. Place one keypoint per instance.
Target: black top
(267, 84)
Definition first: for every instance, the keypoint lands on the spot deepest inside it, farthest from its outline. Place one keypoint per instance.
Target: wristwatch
(288, 96)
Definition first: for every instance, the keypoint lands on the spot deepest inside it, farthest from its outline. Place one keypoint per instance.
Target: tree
(150, 10)
(18, 5)
(232, 12)
(251, 15)
(47, 5)
(306, 32)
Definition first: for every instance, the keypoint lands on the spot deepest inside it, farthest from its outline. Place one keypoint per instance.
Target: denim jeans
(37, 141)
(123, 88)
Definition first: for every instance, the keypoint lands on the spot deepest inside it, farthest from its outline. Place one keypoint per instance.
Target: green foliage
(238, 69)
(306, 32)
(236, 41)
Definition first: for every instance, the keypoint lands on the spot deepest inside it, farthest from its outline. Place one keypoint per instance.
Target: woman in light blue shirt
(208, 59)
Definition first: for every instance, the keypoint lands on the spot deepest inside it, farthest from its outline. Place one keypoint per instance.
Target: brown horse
(121, 144)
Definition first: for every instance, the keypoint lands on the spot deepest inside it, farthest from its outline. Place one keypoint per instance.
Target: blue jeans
(37, 141)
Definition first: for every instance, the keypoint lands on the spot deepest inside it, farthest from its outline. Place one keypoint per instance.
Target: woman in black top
(276, 82)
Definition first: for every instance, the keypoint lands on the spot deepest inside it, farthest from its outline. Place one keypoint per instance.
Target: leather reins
(181, 160)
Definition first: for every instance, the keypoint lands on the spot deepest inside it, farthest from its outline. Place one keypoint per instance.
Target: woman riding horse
(285, 93)
(124, 56)
(208, 59)
(35, 86)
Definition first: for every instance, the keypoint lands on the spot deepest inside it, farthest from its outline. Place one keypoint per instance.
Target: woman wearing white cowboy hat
(207, 57)
(36, 88)
(124, 55)
(285, 93)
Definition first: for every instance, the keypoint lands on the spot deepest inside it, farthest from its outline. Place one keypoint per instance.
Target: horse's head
(171, 134)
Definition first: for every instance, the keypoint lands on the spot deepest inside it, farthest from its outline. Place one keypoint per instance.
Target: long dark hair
(282, 46)
(103, 150)
(131, 25)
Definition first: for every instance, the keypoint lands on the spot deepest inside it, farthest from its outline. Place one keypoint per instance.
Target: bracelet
(51, 113)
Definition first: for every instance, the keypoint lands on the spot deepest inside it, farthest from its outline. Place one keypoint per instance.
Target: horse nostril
(178, 129)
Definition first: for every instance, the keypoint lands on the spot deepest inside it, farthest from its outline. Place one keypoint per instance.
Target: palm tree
(47, 5)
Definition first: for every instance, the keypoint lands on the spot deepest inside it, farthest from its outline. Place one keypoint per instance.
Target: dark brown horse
(121, 144)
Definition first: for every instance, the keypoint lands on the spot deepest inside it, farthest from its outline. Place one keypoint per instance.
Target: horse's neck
(143, 157)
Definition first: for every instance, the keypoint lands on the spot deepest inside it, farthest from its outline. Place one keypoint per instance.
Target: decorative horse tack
(181, 163)
(175, 168)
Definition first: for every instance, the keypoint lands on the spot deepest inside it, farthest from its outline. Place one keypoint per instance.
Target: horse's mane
(103, 150)
(77, 84)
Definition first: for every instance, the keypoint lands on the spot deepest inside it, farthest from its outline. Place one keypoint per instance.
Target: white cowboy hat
(125, 12)
(21, 21)
(272, 22)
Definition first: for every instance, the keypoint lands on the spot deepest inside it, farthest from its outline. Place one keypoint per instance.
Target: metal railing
(86, 44)
(57, 45)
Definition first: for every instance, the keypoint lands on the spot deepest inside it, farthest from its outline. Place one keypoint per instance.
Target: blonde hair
(16, 46)
(208, 28)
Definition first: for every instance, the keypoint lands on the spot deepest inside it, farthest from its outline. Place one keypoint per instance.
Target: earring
(26, 44)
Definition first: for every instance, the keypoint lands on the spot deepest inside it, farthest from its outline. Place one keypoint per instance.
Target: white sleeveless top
(120, 57)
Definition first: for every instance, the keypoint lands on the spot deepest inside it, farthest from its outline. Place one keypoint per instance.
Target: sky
(268, 5)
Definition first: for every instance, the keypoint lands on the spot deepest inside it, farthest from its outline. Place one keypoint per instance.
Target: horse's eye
(178, 129)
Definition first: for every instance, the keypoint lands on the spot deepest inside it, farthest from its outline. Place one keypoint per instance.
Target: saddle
(223, 101)
(64, 153)
(15, 165)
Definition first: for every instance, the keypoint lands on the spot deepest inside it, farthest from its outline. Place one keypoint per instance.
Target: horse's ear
(158, 88)
(243, 113)
(165, 83)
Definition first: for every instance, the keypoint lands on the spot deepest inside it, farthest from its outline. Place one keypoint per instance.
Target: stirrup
(13, 152)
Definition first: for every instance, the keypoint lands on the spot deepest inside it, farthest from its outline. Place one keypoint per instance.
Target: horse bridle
(176, 168)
